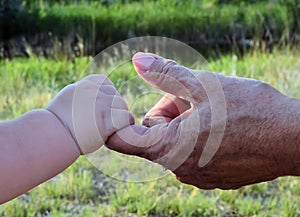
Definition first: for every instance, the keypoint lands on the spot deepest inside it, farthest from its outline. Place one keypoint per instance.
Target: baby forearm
(33, 149)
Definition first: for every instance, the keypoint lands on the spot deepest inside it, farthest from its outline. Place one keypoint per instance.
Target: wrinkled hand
(213, 131)
(91, 110)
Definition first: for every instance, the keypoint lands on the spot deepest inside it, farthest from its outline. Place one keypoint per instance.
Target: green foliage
(196, 22)
(293, 6)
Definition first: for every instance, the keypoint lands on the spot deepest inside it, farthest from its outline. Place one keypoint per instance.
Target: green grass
(81, 190)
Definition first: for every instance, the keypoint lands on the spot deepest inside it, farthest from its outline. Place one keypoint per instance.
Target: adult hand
(92, 110)
(213, 131)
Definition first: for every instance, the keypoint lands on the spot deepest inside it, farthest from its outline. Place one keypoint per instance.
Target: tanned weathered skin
(260, 140)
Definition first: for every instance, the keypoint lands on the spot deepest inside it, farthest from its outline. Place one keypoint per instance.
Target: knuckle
(146, 121)
(108, 90)
(168, 66)
(268, 90)
(263, 86)
(118, 102)
(118, 122)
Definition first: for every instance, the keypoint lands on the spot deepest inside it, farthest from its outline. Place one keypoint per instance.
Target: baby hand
(91, 110)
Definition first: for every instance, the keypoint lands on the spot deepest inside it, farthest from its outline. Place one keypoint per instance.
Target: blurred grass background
(77, 27)
(46, 45)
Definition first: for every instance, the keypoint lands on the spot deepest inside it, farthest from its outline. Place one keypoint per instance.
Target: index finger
(167, 108)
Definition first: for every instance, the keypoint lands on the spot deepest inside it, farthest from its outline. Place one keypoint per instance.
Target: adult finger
(167, 108)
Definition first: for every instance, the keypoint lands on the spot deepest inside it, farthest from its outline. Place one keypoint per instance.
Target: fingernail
(142, 62)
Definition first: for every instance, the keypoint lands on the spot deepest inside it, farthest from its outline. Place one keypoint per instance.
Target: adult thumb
(168, 76)
(163, 143)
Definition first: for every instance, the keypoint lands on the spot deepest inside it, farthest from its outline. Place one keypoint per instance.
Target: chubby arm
(33, 149)
(42, 143)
